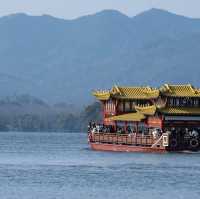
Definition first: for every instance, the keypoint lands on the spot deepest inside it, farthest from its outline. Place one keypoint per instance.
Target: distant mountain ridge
(63, 60)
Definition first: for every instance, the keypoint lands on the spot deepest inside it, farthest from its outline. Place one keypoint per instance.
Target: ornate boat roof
(141, 113)
(180, 111)
(101, 95)
(186, 90)
(146, 110)
(146, 92)
(128, 93)
(135, 92)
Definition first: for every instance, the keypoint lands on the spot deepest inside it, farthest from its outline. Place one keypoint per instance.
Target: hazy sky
(74, 8)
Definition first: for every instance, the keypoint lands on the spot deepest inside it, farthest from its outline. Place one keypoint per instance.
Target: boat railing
(126, 139)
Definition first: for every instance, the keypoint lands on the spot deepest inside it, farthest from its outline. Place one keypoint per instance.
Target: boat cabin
(144, 110)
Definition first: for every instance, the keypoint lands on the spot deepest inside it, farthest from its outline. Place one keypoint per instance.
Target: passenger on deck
(194, 133)
(156, 133)
(129, 130)
(97, 128)
(94, 130)
(89, 127)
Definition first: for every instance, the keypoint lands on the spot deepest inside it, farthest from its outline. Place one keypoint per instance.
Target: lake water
(61, 165)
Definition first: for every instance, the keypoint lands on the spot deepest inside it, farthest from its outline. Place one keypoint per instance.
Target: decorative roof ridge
(165, 88)
(100, 91)
(168, 87)
(143, 87)
(146, 110)
(101, 94)
(191, 88)
(181, 85)
(180, 110)
(194, 89)
(188, 84)
(118, 89)
(115, 90)
(134, 86)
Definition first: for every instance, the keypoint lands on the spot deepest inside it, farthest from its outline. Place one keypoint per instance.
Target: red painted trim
(154, 121)
(162, 122)
(125, 148)
(103, 110)
(125, 126)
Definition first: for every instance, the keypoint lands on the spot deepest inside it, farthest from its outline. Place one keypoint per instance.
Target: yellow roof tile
(136, 117)
(186, 90)
(146, 110)
(135, 92)
(101, 95)
(180, 111)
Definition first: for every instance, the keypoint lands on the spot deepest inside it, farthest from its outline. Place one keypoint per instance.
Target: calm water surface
(60, 165)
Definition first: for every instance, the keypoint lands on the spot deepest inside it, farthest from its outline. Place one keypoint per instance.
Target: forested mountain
(63, 60)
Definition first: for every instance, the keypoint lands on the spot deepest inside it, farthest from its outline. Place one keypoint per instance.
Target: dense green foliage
(26, 113)
(92, 113)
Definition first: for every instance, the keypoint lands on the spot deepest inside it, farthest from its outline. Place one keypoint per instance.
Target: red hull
(125, 148)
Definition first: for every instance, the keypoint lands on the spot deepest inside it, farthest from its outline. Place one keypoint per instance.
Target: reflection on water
(60, 165)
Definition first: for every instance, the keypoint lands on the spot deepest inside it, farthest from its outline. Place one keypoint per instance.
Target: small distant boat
(145, 119)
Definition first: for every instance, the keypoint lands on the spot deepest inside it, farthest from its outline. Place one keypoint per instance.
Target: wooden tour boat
(145, 119)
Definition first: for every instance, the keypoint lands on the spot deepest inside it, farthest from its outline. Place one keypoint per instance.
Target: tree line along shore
(29, 114)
